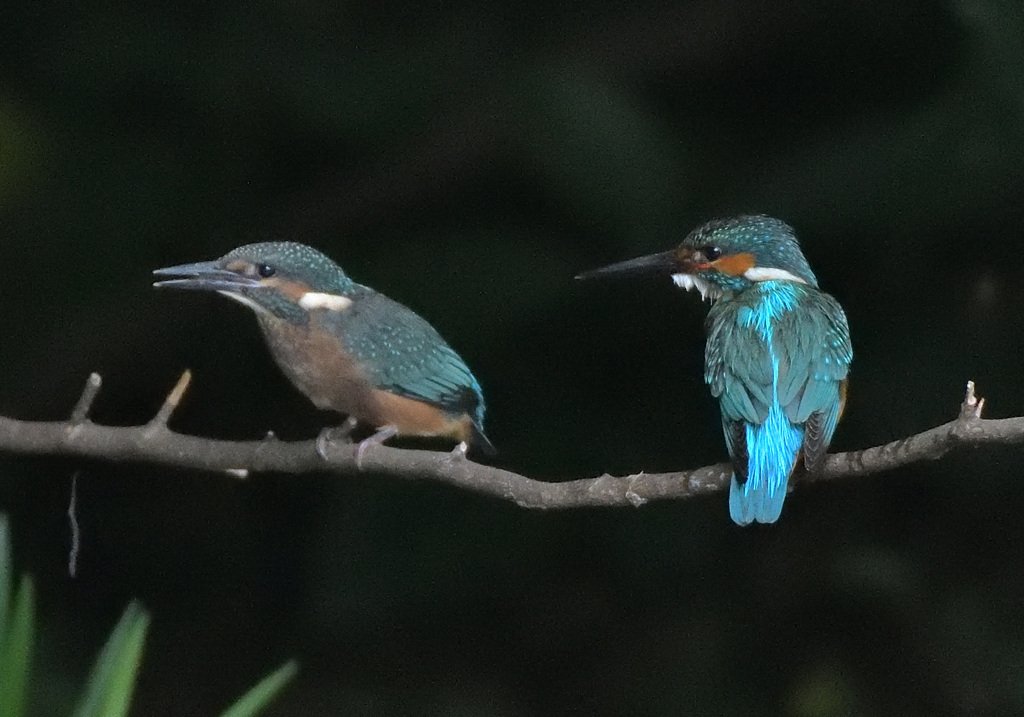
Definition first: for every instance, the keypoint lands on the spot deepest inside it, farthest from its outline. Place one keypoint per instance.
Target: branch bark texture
(155, 443)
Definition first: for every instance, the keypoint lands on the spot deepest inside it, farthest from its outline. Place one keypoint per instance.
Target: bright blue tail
(772, 447)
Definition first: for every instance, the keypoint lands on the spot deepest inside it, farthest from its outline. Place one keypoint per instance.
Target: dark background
(468, 159)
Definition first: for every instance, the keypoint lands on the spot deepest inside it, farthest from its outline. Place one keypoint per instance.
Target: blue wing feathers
(819, 429)
(419, 365)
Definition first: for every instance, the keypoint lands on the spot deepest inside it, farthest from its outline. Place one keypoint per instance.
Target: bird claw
(321, 443)
(342, 433)
(459, 452)
(376, 439)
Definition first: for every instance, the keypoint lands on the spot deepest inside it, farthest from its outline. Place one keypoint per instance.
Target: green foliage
(16, 631)
(109, 689)
(253, 701)
(6, 571)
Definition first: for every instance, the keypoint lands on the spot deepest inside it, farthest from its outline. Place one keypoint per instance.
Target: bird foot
(459, 452)
(341, 434)
(376, 439)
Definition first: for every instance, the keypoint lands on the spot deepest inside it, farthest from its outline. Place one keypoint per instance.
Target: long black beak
(204, 276)
(663, 263)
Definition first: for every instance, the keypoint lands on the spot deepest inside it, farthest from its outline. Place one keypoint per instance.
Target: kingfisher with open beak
(345, 346)
(777, 356)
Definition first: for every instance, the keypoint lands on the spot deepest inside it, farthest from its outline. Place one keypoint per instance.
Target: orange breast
(317, 365)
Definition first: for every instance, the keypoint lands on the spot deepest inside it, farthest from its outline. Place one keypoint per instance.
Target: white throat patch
(318, 300)
(760, 273)
(690, 282)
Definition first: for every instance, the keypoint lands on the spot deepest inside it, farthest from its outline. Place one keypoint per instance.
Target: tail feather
(748, 502)
(772, 449)
(481, 441)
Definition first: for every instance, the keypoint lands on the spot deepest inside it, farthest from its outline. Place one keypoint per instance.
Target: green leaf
(109, 691)
(16, 651)
(253, 701)
(6, 570)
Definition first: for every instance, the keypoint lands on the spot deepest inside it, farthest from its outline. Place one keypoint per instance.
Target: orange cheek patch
(734, 264)
(293, 290)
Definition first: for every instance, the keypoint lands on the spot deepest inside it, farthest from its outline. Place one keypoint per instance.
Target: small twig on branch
(171, 402)
(81, 410)
(155, 443)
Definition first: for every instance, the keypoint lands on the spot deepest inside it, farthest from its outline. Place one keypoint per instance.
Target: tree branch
(155, 443)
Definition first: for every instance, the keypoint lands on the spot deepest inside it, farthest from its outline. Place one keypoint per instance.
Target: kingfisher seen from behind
(777, 355)
(345, 346)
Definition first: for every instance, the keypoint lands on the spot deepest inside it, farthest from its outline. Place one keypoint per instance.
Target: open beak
(203, 276)
(664, 263)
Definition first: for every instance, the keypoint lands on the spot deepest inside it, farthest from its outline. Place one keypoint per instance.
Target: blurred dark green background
(468, 159)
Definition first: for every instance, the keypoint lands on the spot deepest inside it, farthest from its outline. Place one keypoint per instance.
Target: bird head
(725, 256)
(286, 280)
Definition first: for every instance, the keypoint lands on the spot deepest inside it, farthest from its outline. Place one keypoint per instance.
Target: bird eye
(265, 270)
(712, 252)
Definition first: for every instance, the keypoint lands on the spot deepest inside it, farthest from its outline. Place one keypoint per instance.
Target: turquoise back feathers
(777, 358)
